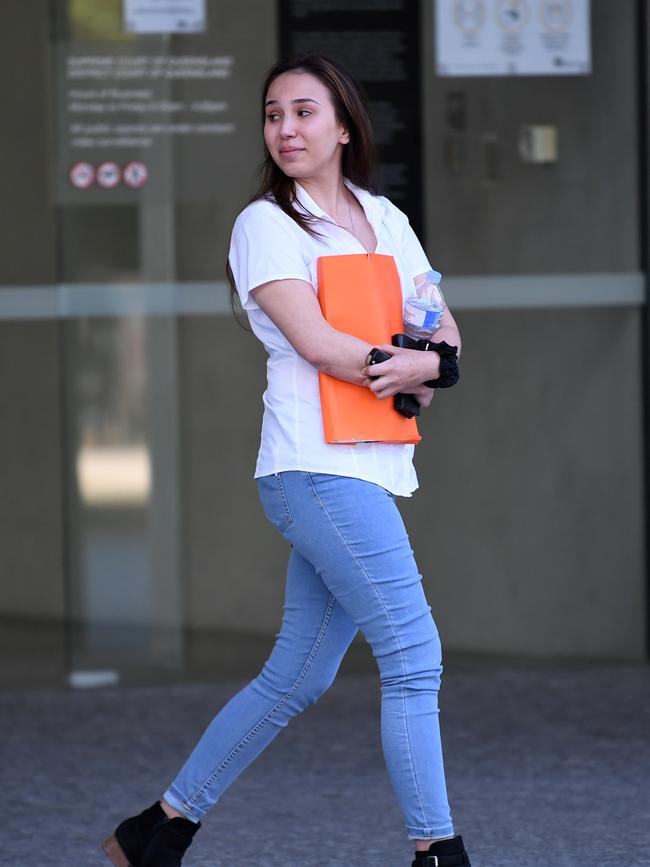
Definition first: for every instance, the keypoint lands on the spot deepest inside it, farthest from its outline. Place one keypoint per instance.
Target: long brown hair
(359, 160)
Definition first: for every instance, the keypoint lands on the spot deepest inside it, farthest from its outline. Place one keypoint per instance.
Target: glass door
(116, 254)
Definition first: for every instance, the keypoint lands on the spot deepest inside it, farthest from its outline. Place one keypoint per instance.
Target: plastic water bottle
(423, 310)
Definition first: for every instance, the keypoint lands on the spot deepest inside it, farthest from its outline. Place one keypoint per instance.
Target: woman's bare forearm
(340, 355)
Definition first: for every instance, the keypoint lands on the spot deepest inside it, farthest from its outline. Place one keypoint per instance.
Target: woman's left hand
(403, 373)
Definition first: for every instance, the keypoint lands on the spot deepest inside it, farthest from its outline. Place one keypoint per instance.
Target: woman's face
(301, 131)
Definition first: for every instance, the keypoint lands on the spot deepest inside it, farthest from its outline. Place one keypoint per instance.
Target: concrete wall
(31, 546)
(541, 549)
(31, 498)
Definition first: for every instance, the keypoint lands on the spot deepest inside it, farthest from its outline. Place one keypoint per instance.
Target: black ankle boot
(443, 853)
(150, 839)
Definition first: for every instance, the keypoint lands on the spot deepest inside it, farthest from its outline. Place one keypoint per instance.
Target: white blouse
(267, 245)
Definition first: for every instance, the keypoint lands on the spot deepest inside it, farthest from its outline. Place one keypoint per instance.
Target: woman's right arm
(266, 257)
(293, 307)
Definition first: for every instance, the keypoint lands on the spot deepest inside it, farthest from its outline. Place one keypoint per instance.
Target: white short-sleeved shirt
(266, 245)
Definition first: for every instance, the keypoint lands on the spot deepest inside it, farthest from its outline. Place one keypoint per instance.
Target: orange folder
(361, 295)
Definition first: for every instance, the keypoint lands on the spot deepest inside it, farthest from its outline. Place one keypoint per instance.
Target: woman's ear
(345, 136)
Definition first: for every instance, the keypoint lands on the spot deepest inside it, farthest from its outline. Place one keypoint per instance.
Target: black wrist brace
(449, 374)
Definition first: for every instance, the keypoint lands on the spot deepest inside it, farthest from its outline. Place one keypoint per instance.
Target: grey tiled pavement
(546, 765)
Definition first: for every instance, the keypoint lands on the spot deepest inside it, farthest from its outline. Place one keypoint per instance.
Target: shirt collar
(373, 207)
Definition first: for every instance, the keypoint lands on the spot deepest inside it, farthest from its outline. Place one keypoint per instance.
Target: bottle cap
(434, 277)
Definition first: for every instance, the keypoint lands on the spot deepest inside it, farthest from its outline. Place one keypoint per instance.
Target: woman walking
(350, 567)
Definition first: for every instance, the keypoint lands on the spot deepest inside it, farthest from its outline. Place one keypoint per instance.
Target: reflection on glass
(113, 475)
(123, 602)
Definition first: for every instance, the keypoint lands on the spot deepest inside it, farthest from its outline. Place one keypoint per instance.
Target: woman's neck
(331, 195)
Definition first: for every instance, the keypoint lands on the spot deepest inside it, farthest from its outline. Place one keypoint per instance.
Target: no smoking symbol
(135, 174)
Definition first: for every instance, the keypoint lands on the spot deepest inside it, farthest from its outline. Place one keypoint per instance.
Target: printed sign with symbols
(513, 37)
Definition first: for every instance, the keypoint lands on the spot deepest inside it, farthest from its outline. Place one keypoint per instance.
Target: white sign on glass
(164, 16)
(513, 37)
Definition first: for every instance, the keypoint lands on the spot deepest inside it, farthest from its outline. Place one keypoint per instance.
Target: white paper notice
(164, 16)
(513, 37)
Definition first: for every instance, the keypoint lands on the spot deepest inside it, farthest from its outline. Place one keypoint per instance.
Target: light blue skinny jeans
(351, 567)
